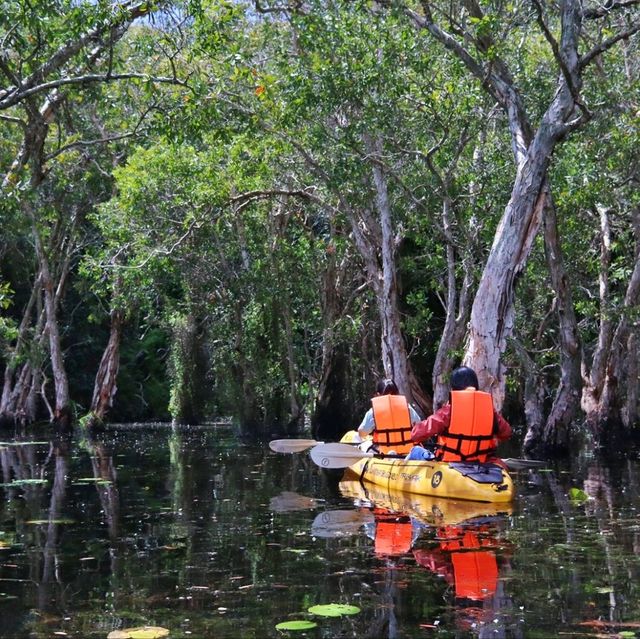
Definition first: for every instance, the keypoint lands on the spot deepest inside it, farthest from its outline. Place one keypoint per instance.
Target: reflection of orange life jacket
(475, 573)
(475, 568)
(393, 424)
(394, 534)
(470, 434)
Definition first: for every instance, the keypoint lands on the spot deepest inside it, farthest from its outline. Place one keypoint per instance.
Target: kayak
(427, 509)
(458, 480)
(471, 481)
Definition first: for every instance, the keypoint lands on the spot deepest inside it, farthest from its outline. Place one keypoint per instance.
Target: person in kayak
(389, 420)
(468, 428)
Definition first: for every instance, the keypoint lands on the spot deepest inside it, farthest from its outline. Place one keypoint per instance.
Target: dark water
(188, 530)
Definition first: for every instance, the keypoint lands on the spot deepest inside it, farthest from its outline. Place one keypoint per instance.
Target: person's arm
(503, 430)
(432, 426)
(367, 425)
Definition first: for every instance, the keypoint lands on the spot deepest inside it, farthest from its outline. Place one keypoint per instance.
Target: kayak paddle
(292, 445)
(523, 464)
(339, 455)
(344, 455)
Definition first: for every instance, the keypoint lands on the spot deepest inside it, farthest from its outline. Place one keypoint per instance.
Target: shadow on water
(190, 530)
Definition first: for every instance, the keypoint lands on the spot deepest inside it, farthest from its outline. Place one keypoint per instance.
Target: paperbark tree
(492, 314)
(39, 69)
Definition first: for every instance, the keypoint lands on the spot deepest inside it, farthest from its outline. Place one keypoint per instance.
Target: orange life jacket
(470, 435)
(393, 424)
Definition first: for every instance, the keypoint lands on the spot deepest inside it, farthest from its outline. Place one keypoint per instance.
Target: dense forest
(254, 209)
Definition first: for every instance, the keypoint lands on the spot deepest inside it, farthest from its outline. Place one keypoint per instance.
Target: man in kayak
(467, 428)
(389, 420)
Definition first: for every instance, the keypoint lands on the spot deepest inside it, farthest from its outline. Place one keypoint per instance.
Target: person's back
(392, 419)
(469, 436)
(468, 428)
(389, 420)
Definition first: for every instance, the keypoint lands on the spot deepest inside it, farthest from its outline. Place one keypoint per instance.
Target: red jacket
(439, 422)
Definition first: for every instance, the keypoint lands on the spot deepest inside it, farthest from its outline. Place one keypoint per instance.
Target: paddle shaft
(344, 455)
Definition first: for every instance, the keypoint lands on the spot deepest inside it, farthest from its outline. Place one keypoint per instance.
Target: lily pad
(575, 494)
(142, 632)
(296, 625)
(334, 610)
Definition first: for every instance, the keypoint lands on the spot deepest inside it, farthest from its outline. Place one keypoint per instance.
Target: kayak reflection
(460, 542)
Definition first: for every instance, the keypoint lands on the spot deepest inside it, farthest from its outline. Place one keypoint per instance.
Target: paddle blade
(291, 445)
(340, 523)
(337, 455)
(523, 464)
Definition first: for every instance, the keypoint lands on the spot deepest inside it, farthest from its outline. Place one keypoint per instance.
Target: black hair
(463, 377)
(387, 387)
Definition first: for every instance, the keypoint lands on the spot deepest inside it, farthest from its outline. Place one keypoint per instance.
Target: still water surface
(190, 530)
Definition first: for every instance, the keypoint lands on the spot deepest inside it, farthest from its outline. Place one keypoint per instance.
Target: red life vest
(470, 435)
(393, 424)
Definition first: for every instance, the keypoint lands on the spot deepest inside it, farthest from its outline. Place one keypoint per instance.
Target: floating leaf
(5, 597)
(575, 494)
(24, 482)
(627, 633)
(334, 610)
(296, 625)
(22, 443)
(143, 632)
(42, 522)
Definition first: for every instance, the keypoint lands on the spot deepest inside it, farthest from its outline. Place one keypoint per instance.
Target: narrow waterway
(189, 530)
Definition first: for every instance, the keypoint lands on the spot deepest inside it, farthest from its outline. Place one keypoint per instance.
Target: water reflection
(191, 530)
(461, 542)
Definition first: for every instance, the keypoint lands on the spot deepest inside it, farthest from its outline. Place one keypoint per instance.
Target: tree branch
(123, 14)
(18, 96)
(606, 9)
(589, 57)
(557, 54)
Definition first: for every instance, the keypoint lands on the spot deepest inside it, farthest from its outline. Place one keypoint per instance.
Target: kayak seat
(481, 473)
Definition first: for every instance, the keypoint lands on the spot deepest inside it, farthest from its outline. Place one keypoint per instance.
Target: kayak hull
(453, 480)
(473, 482)
(429, 510)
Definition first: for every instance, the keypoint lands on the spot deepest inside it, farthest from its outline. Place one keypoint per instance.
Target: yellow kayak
(433, 511)
(458, 480)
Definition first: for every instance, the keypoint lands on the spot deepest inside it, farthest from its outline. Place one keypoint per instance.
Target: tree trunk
(395, 359)
(567, 397)
(594, 378)
(492, 312)
(62, 408)
(533, 398)
(104, 388)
